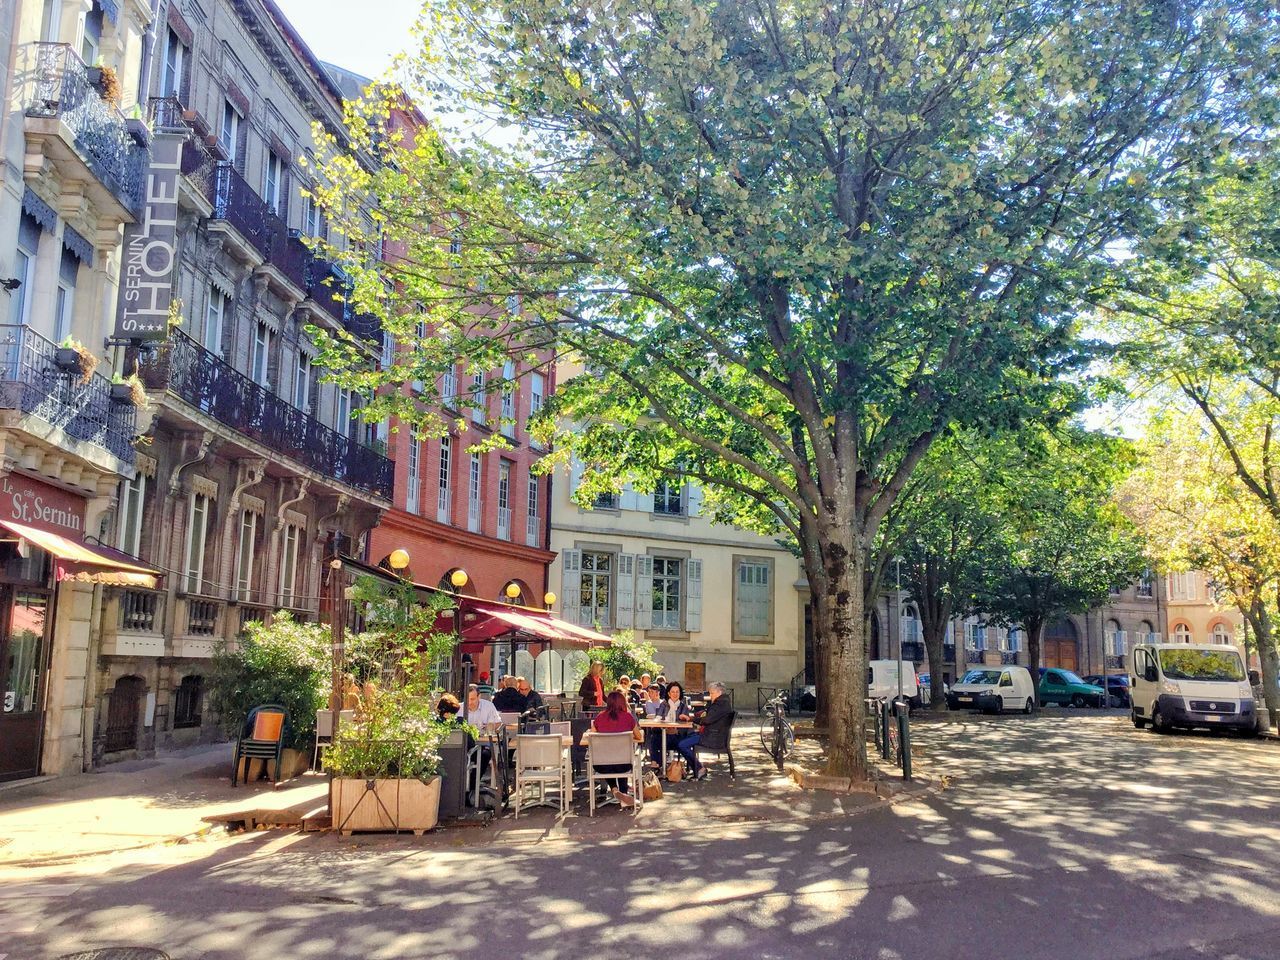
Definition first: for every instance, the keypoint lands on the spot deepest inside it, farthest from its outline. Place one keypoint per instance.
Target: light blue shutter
(644, 502)
(644, 592)
(571, 585)
(693, 597)
(693, 493)
(624, 589)
(627, 501)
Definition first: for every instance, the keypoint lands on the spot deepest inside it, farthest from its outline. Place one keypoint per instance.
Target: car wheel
(1029, 707)
(999, 704)
(1139, 723)
(1158, 724)
(1077, 700)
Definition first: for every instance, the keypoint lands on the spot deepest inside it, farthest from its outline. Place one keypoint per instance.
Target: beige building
(1195, 616)
(718, 603)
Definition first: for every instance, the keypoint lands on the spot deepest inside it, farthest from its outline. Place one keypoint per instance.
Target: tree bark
(1268, 658)
(1035, 633)
(927, 590)
(840, 618)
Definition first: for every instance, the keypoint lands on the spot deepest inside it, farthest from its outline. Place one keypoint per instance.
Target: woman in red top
(617, 718)
(592, 689)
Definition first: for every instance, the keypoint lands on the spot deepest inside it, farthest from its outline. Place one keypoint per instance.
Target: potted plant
(72, 356)
(386, 765)
(128, 390)
(109, 85)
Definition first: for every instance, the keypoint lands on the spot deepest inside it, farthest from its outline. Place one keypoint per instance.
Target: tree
(1064, 542)
(794, 241)
(1198, 514)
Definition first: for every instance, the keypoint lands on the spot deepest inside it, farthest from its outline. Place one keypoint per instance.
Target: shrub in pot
(74, 357)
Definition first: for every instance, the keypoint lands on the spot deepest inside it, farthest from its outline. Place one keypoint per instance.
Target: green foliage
(627, 657)
(285, 662)
(403, 639)
(397, 735)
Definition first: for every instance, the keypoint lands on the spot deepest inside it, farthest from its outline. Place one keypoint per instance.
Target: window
(508, 399)
(751, 601)
(753, 671)
(1146, 585)
(289, 565)
(51, 25)
(1015, 639)
(910, 625)
(91, 35)
(342, 415)
(310, 217)
(215, 321)
(24, 269)
(976, 636)
(245, 554)
(504, 500)
(229, 135)
(413, 488)
(455, 241)
(668, 499)
(449, 388)
(1114, 590)
(666, 593)
(446, 465)
(260, 362)
(302, 382)
(1180, 585)
(197, 531)
(1221, 634)
(132, 496)
(473, 495)
(531, 524)
(537, 393)
(274, 190)
(172, 77)
(479, 398)
(605, 501)
(1147, 633)
(597, 587)
(65, 300)
(1115, 638)
(1182, 633)
(513, 304)
(186, 702)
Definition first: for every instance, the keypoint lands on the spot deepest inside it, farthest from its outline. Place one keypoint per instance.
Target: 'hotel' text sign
(150, 248)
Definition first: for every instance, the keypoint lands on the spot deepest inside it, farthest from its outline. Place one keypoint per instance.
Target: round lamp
(459, 578)
(399, 559)
(549, 599)
(512, 591)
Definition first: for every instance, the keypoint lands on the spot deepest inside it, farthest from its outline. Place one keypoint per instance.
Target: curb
(58, 860)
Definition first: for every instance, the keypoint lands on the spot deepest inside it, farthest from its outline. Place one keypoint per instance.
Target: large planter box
(410, 805)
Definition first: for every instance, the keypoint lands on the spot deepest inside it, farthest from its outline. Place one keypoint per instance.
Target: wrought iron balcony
(1008, 656)
(57, 85)
(239, 204)
(913, 650)
(214, 387)
(31, 381)
(949, 652)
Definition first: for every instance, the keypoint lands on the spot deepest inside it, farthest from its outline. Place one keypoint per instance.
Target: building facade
(1194, 614)
(718, 603)
(71, 178)
(252, 471)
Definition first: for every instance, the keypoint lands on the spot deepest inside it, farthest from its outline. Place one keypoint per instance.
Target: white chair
(614, 749)
(561, 728)
(510, 719)
(324, 731)
(541, 760)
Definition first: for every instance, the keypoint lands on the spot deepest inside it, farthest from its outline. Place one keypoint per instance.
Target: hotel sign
(37, 504)
(150, 248)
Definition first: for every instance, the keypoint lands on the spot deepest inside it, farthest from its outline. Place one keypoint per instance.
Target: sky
(361, 36)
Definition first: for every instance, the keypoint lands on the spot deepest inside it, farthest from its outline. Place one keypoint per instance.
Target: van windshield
(1223, 666)
(981, 676)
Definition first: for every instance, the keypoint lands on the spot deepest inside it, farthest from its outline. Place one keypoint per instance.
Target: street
(1054, 837)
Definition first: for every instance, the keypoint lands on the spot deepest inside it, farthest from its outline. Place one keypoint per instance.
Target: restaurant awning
(85, 562)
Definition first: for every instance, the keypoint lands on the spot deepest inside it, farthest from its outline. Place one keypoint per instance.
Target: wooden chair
(261, 738)
(717, 739)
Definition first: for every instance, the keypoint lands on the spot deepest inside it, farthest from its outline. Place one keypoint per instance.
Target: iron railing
(239, 204)
(1008, 656)
(32, 381)
(912, 650)
(214, 387)
(56, 84)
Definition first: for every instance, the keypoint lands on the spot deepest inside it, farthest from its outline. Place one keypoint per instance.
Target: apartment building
(252, 471)
(74, 157)
(1195, 615)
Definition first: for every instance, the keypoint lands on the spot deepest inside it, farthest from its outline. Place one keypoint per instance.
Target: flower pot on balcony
(122, 392)
(139, 130)
(67, 358)
(94, 76)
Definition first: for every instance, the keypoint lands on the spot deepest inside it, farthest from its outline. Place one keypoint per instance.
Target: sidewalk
(132, 805)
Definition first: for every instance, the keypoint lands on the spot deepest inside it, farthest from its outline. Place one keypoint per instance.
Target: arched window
(1147, 633)
(1115, 638)
(1222, 633)
(910, 624)
(1182, 633)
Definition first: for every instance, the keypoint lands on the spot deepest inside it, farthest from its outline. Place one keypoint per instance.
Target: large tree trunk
(935, 613)
(1035, 633)
(1268, 658)
(842, 622)
(822, 666)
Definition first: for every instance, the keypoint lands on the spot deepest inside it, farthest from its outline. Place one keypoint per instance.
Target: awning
(84, 562)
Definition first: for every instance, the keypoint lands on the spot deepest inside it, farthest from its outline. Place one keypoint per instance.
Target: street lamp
(459, 579)
(512, 590)
(548, 599)
(399, 560)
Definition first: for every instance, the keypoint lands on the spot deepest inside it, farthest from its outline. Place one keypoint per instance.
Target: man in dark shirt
(509, 699)
(532, 699)
(717, 711)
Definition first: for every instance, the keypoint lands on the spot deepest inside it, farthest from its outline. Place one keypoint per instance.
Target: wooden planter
(410, 805)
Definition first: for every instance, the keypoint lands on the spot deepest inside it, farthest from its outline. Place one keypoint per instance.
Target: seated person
(479, 712)
(533, 704)
(675, 708)
(716, 711)
(484, 686)
(617, 718)
(652, 701)
(509, 699)
(447, 707)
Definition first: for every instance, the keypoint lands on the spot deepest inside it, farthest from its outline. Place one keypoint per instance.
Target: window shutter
(629, 498)
(575, 476)
(625, 589)
(693, 497)
(644, 502)
(644, 592)
(571, 585)
(693, 609)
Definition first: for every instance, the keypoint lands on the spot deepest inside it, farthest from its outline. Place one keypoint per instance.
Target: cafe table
(664, 726)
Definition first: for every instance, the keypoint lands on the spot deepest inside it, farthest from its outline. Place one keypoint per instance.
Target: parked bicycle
(776, 734)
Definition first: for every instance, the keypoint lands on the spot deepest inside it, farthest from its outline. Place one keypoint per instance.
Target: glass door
(23, 665)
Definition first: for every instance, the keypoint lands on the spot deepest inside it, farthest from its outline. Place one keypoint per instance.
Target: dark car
(1116, 685)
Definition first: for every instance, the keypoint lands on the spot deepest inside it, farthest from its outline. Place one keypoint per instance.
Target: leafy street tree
(794, 241)
(1064, 541)
(1198, 514)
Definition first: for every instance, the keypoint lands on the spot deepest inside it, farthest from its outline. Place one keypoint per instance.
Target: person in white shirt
(478, 712)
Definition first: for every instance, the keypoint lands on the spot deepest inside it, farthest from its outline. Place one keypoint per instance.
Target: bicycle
(895, 748)
(776, 734)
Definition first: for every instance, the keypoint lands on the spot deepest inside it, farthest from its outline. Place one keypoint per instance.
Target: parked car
(1116, 685)
(994, 689)
(882, 681)
(1191, 685)
(1064, 687)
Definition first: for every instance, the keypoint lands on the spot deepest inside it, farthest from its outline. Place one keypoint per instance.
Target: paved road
(1064, 837)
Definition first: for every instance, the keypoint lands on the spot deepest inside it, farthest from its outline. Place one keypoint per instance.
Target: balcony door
(24, 656)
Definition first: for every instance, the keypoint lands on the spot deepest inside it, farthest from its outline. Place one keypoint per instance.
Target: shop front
(45, 560)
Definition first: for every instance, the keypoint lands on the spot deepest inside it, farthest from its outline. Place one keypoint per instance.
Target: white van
(1190, 685)
(882, 680)
(994, 689)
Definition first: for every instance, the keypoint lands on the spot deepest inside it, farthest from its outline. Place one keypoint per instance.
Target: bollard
(904, 741)
(884, 729)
